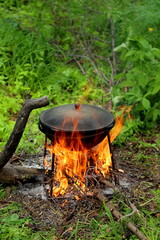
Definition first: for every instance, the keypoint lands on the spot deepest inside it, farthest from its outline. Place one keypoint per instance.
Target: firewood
(19, 127)
(12, 174)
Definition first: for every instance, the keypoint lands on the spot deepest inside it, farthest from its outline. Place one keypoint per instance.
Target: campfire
(80, 145)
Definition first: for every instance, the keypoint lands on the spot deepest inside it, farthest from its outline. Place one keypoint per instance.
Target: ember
(75, 154)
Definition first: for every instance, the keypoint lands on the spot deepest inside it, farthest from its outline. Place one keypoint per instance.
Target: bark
(119, 216)
(19, 127)
(13, 174)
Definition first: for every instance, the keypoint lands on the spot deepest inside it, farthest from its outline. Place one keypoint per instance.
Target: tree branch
(90, 36)
(80, 66)
(19, 127)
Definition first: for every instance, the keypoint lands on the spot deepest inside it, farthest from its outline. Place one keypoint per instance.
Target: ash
(36, 190)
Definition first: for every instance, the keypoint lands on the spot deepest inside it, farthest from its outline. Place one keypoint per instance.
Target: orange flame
(72, 162)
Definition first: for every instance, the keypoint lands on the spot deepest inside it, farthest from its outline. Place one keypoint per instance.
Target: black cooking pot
(91, 123)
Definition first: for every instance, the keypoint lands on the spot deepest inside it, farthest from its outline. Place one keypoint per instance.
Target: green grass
(105, 226)
(13, 224)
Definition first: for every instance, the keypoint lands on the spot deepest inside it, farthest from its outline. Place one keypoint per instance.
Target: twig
(94, 62)
(113, 47)
(135, 210)
(112, 76)
(118, 215)
(74, 179)
(91, 9)
(90, 36)
(80, 66)
(143, 204)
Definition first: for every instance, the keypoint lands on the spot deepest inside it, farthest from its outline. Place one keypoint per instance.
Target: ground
(139, 163)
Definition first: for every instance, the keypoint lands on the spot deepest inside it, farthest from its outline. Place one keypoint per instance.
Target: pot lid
(76, 117)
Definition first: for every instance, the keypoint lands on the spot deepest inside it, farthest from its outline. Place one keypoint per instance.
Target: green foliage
(13, 226)
(28, 65)
(139, 62)
(63, 49)
(141, 80)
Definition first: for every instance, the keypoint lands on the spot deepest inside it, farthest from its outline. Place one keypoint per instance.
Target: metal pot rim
(93, 118)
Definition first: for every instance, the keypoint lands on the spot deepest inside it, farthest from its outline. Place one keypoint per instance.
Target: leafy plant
(141, 80)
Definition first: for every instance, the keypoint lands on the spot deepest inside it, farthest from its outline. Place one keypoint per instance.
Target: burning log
(19, 127)
(119, 216)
